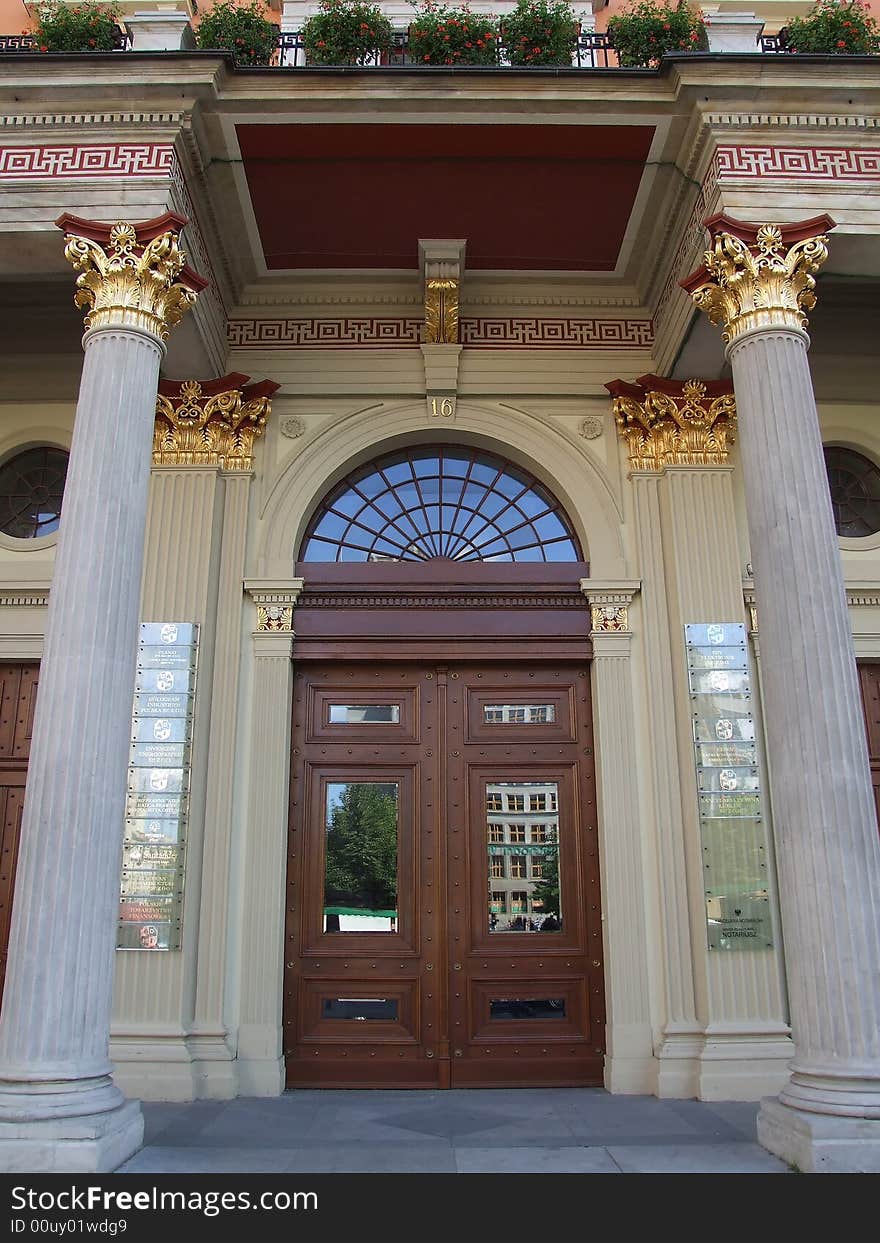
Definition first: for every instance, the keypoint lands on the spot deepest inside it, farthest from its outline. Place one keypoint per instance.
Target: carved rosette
(132, 275)
(759, 276)
(669, 423)
(441, 310)
(210, 423)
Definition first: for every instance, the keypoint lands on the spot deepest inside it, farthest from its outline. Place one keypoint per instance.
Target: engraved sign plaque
(733, 835)
(157, 805)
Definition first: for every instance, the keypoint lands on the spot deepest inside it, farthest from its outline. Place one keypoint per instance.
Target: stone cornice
(790, 120)
(858, 596)
(33, 595)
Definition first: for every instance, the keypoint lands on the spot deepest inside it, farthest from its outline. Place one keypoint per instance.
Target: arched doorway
(444, 923)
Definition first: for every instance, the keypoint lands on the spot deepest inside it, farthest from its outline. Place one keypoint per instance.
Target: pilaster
(260, 1052)
(173, 1034)
(630, 1065)
(679, 435)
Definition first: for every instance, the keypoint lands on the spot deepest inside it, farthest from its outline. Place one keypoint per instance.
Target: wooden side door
(18, 696)
(869, 679)
(525, 937)
(364, 967)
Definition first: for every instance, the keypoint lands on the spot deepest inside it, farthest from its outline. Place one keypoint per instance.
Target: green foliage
(540, 32)
(643, 32)
(546, 890)
(86, 27)
(240, 28)
(440, 35)
(361, 863)
(844, 29)
(346, 32)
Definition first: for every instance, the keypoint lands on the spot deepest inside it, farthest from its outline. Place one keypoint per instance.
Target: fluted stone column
(260, 1051)
(59, 1109)
(757, 283)
(629, 1064)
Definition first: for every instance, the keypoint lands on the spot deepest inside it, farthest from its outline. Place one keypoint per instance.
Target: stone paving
(524, 1131)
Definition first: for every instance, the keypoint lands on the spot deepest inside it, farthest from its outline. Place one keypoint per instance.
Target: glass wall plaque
(733, 836)
(154, 832)
(360, 860)
(522, 836)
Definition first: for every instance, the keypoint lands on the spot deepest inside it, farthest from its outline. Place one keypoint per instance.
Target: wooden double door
(444, 923)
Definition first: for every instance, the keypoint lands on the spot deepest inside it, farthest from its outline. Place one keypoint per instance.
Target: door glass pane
(519, 714)
(522, 839)
(360, 862)
(357, 714)
(527, 1008)
(359, 1009)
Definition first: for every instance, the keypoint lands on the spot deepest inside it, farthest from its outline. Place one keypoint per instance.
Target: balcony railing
(593, 51)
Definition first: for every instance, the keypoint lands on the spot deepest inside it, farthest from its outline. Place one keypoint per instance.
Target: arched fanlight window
(854, 483)
(435, 502)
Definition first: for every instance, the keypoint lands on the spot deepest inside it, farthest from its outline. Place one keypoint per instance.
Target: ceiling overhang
(548, 198)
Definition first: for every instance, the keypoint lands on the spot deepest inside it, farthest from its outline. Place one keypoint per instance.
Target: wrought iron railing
(592, 52)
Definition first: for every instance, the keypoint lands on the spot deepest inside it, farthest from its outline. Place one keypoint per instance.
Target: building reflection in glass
(522, 828)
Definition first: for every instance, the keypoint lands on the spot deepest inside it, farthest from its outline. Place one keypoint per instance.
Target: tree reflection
(361, 860)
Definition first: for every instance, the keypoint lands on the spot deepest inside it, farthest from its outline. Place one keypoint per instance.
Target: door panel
(472, 785)
(18, 696)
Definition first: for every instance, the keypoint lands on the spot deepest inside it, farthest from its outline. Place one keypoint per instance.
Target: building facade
(452, 669)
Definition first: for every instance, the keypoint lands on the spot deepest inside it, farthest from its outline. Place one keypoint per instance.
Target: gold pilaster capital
(275, 601)
(132, 275)
(609, 604)
(759, 276)
(211, 423)
(674, 423)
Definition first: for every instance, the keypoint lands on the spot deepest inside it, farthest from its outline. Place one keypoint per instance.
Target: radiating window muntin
(31, 490)
(440, 502)
(854, 484)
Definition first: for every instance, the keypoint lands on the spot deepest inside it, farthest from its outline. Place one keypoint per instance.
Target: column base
(636, 1076)
(91, 1144)
(819, 1143)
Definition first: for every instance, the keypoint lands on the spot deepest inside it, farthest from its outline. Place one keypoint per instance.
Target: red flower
(43, 48)
(841, 43)
(536, 51)
(427, 56)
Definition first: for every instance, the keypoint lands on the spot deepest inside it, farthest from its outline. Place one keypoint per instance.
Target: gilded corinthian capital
(210, 422)
(670, 423)
(759, 276)
(133, 275)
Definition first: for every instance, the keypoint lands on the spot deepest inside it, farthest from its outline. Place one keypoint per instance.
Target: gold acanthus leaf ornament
(441, 310)
(689, 429)
(768, 285)
(130, 285)
(200, 430)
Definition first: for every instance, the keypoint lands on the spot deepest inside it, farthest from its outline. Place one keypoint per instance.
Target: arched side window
(854, 483)
(31, 490)
(440, 502)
